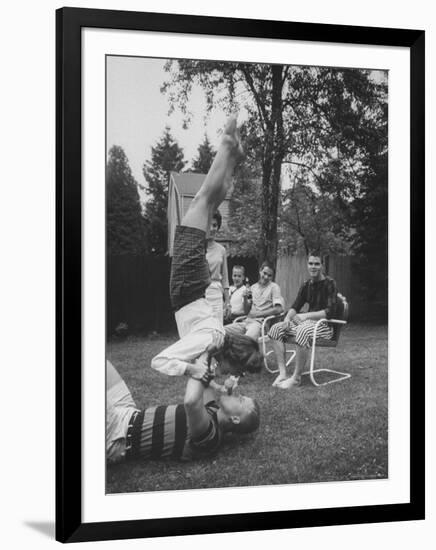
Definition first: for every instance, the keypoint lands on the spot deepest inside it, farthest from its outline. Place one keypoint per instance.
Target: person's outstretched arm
(179, 358)
(225, 283)
(197, 415)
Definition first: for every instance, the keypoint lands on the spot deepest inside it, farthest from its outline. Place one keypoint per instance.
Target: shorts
(302, 332)
(190, 274)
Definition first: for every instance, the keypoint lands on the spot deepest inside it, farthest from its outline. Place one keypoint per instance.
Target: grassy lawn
(336, 432)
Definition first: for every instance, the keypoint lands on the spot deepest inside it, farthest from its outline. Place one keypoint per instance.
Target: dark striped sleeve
(209, 441)
(180, 431)
(301, 298)
(158, 432)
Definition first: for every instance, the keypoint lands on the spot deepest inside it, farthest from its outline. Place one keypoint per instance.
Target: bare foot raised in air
(232, 138)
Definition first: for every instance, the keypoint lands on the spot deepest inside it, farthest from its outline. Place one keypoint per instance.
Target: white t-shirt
(265, 297)
(237, 299)
(197, 325)
(120, 407)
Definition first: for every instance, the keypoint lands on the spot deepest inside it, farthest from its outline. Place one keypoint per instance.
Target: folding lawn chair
(337, 323)
(267, 322)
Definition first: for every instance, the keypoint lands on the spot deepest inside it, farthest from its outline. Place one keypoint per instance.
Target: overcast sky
(137, 112)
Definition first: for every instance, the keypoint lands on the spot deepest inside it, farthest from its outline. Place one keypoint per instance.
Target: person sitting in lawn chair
(186, 431)
(266, 299)
(199, 329)
(319, 292)
(239, 293)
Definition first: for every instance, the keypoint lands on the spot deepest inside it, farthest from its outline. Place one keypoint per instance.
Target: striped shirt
(163, 432)
(320, 295)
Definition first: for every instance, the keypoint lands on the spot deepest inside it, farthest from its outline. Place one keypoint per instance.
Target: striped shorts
(302, 332)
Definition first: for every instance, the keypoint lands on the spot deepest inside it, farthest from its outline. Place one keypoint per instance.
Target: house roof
(189, 183)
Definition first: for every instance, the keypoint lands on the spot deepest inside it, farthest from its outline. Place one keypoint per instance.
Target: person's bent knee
(253, 331)
(235, 328)
(276, 331)
(303, 332)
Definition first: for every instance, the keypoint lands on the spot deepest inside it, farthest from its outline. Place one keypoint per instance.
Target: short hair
(266, 264)
(242, 352)
(249, 422)
(241, 267)
(219, 219)
(316, 253)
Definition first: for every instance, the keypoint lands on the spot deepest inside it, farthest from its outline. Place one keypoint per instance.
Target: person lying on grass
(199, 330)
(185, 432)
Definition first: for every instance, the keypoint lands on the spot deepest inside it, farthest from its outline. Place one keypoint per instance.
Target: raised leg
(218, 180)
(253, 329)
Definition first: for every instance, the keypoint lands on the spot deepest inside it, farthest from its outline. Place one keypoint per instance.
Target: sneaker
(289, 383)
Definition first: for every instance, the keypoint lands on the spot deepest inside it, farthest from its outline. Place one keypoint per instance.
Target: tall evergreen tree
(125, 224)
(204, 158)
(166, 156)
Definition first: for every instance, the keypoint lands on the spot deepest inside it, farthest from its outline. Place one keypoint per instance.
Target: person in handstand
(201, 333)
(187, 431)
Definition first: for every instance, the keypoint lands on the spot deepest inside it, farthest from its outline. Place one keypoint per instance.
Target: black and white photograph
(239, 222)
(247, 274)
(217, 306)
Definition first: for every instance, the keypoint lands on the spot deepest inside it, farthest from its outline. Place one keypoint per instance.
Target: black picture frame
(69, 22)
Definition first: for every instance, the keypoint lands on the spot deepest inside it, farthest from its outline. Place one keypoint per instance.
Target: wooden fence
(292, 272)
(137, 293)
(137, 287)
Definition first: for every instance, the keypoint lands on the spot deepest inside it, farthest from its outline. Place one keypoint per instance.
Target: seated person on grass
(199, 330)
(319, 292)
(266, 300)
(239, 294)
(181, 432)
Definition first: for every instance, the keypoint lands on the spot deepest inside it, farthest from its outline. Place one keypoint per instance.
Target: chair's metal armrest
(269, 318)
(265, 319)
(333, 321)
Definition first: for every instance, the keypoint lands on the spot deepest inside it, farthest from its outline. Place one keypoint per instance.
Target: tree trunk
(273, 155)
